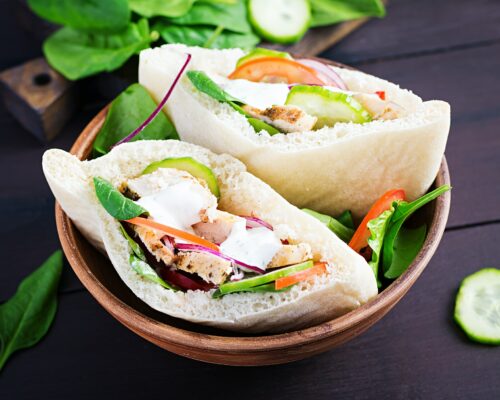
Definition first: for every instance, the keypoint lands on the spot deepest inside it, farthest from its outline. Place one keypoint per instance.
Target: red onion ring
(254, 222)
(169, 242)
(326, 74)
(184, 282)
(201, 249)
(158, 108)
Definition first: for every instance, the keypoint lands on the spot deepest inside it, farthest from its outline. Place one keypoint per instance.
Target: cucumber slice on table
(260, 52)
(188, 164)
(330, 107)
(477, 308)
(280, 21)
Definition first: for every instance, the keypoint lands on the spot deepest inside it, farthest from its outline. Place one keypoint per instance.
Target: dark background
(444, 49)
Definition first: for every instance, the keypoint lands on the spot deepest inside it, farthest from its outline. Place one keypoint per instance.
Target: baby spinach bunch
(98, 36)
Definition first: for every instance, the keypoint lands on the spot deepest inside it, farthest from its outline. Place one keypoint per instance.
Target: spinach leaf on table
(200, 35)
(126, 113)
(342, 231)
(115, 203)
(233, 17)
(163, 8)
(26, 317)
(143, 269)
(328, 12)
(88, 15)
(76, 54)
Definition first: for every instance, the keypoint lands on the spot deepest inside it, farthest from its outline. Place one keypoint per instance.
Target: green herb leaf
(259, 125)
(161, 8)
(407, 244)
(126, 113)
(136, 249)
(88, 15)
(143, 269)
(403, 211)
(76, 54)
(328, 12)
(115, 203)
(342, 231)
(378, 227)
(27, 316)
(233, 17)
(346, 219)
(199, 35)
(204, 84)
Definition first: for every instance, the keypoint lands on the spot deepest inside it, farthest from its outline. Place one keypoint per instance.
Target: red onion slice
(254, 222)
(201, 249)
(180, 280)
(326, 74)
(169, 242)
(159, 107)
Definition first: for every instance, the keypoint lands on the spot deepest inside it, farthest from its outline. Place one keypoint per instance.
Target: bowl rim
(147, 326)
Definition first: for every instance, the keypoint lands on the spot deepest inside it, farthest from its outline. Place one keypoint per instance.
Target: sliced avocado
(260, 52)
(328, 106)
(190, 165)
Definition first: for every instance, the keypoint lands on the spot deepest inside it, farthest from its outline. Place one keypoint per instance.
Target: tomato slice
(317, 269)
(362, 234)
(275, 69)
(177, 233)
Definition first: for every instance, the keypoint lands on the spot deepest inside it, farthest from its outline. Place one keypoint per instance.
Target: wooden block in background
(41, 99)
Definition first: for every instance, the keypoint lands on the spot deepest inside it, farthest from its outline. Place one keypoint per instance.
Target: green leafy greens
(378, 228)
(87, 15)
(328, 12)
(126, 113)
(26, 317)
(143, 269)
(76, 54)
(343, 232)
(165, 8)
(204, 84)
(115, 203)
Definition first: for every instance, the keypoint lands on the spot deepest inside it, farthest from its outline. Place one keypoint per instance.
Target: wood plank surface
(416, 352)
(421, 26)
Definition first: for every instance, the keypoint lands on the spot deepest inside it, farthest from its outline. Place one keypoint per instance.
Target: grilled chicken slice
(152, 240)
(285, 118)
(290, 254)
(207, 266)
(219, 229)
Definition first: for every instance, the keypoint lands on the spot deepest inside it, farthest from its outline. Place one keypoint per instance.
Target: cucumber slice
(260, 52)
(280, 21)
(330, 107)
(190, 165)
(243, 285)
(268, 287)
(477, 308)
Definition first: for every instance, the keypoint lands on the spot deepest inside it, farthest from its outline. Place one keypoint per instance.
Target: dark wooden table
(440, 49)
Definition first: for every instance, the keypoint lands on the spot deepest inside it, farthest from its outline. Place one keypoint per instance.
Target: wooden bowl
(223, 347)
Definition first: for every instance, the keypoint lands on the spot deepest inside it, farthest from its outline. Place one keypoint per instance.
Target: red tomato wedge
(177, 233)
(317, 269)
(275, 69)
(362, 234)
(381, 94)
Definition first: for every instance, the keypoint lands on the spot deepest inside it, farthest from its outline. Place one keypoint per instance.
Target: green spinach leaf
(115, 203)
(403, 211)
(346, 219)
(88, 15)
(126, 113)
(76, 54)
(378, 227)
(328, 12)
(161, 8)
(233, 17)
(342, 231)
(407, 244)
(204, 84)
(27, 316)
(136, 249)
(201, 35)
(259, 125)
(143, 269)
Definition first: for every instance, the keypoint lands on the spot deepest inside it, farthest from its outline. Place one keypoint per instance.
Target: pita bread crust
(349, 283)
(352, 165)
